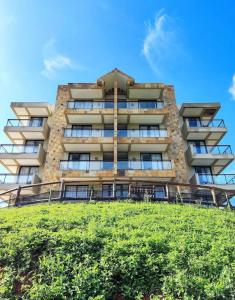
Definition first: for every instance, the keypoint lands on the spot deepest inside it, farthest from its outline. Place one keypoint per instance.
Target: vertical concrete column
(115, 131)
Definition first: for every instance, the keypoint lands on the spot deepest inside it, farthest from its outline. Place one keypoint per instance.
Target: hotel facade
(101, 138)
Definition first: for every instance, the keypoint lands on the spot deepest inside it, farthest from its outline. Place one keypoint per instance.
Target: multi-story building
(107, 135)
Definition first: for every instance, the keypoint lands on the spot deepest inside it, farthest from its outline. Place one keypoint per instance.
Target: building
(102, 137)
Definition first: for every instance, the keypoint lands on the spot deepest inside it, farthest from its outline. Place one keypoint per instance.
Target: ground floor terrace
(119, 190)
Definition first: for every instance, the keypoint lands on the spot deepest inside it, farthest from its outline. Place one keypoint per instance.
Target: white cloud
(162, 47)
(54, 61)
(54, 64)
(232, 87)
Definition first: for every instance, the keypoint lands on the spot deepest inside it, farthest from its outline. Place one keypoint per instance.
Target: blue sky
(186, 43)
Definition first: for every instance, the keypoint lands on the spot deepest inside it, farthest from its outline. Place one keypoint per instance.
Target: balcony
(145, 112)
(216, 157)
(94, 140)
(143, 140)
(31, 109)
(224, 181)
(210, 131)
(26, 129)
(13, 156)
(10, 181)
(99, 112)
(91, 168)
(162, 169)
(141, 104)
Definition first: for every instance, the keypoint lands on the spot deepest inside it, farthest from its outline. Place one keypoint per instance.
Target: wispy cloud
(231, 90)
(162, 46)
(54, 61)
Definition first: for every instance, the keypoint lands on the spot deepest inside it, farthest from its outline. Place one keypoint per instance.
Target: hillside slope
(116, 251)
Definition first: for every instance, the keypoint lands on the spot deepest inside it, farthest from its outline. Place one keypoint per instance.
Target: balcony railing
(145, 104)
(88, 132)
(142, 133)
(205, 123)
(216, 179)
(24, 123)
(18, 149)
(145, 165)
(90, 104)
(15, 179)
(85, 165)
(215, 150)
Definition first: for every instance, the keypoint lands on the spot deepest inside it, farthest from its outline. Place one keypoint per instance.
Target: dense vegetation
(116, 251)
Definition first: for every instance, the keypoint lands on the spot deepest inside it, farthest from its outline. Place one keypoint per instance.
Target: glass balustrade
(142, 133)
(216, 179)
(145, 165)
(18, 149)
(88, 132)
(206, 123)
(215, 150)
(15, 179)
(96, 165)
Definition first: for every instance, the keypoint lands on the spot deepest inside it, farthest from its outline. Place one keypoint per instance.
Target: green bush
(115, 250)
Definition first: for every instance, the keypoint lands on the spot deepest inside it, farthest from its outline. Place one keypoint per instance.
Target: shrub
(116, 251)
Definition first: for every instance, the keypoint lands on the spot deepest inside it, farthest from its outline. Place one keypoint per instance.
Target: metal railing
(143, 133)
(90, 104)
(15, 179)
(86, 165)
(18, 149)
(88, 132)
(145, 165)
(145, 104)
(216, 179)
(24, 123)
(206, 123)
(215, 150)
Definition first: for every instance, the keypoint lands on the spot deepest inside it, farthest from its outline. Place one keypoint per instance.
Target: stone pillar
(115, 131)
(176, 148)
(55, 150)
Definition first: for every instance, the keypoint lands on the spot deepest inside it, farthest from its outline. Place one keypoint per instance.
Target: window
(194, 122)
(79, 161)
(151, 161)
(107, 190)
(81, 130)
(83, 104)
(79, 156)
(36, 122)
(76, 191)
(122, 191)
(147, 104)
(26, 174)
(160, 192)
(199, 146)
(32, 145)
(149, 130)
(204, 175)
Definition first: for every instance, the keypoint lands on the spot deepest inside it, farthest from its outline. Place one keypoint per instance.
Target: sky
(189, 44)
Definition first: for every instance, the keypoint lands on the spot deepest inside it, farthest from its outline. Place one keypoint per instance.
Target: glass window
(107, 190)
(122, 191)
(147, 104)
(194, 122)
(76, 191)
(160, 192)
(36, 122)
(83, 104)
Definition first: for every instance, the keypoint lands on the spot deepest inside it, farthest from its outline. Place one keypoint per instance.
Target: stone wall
(55, 150)
(176, 149)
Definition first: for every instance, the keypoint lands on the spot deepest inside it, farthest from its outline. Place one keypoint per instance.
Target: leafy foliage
(116, 251)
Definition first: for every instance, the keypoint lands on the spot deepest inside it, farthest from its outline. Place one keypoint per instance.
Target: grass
(116, 251)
